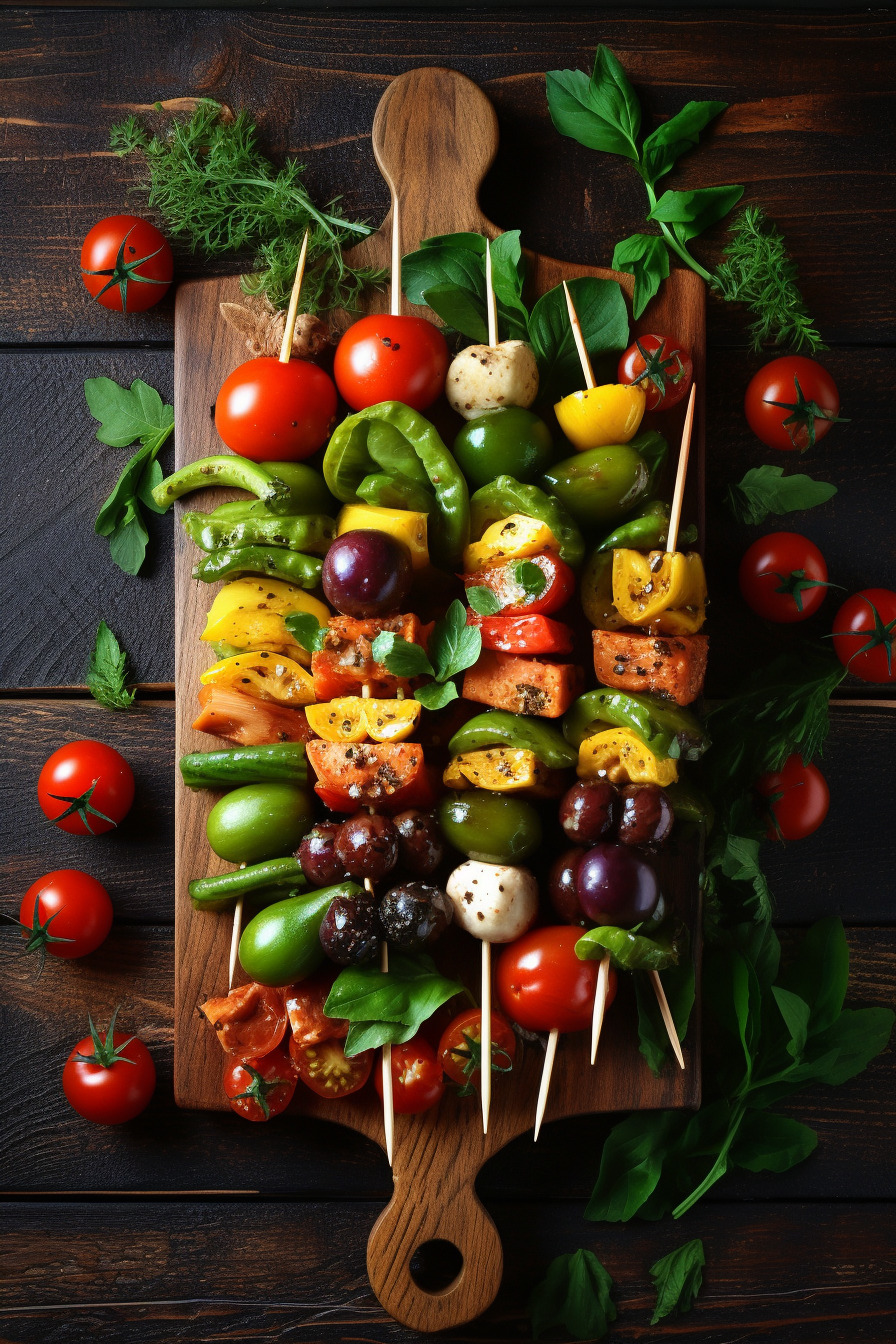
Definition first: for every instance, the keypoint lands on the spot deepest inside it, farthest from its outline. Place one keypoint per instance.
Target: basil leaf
(691, 212)
(125, 415)
(128, 541)
(407, 995)
(436, 694)
(604, 321)
(306, 630)
(106, 676)
(399, 656)
(530, 577)
(460, 310)
(653, 1039)
(508, 279)
(795, 1012)
(121, 505)
(575, 1294)
(453, 644)
(675, 137)
(371, 1035)
(678, 1276)
(448, 274)
(820, 972)
(768, 1142)
(645, 256)
(484, 601)
(764, 490)
(602, 112)
(632, 1162)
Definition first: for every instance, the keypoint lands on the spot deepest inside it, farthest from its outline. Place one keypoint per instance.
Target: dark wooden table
(196, 1227)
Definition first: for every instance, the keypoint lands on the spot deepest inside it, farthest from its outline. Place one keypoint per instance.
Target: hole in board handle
(436, 1265)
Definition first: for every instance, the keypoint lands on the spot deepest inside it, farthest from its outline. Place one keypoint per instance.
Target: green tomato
(600, 485)
(490, 827)
(282, 943)
(508, 441)
(260, 821)
(308, 491)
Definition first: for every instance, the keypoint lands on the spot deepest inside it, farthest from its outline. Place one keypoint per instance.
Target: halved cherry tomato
(542, 985)
(243, 719)
(783, 577)
(66, 913)
(505, 578)
(417, 1082)
(259, 1089)
(327, 1069)
(791, 403)
(522, 634)
(269, 410)
(661, 366)
(385, 358)
(86, 788)
(865, 634)
(460, 1048)
(250, 1021)
(126, 264)
(305, 1001)
(798, 799)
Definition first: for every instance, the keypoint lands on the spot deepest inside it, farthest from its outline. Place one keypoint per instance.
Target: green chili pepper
(218, 893)
(275, 561)
(308, 491)
(647, 531)
(391, 439)
(231, 471)
(668, 730)
(273, 763)
(632, 951)
(312, 532)
(506, 495)
(395, 492)
(499, 727)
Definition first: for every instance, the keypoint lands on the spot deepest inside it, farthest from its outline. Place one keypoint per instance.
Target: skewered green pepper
(238, 472)
(501, 728)
(668, 730)
(631, 951)
(297, 532)
(506, 495)
(275, 561)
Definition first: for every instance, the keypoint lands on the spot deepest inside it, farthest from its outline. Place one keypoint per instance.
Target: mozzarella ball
(485, 376)
(494, 901)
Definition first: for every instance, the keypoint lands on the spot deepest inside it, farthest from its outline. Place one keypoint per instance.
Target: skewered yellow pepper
(620, 756)
(498, 769)
(512, 538)
(403, 524)
(663, 590)
(267, 676)
(598, 416)
(353, 718)
(248, 614)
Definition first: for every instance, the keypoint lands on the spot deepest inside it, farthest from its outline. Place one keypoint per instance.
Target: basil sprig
(453, 647)
(764, 490)
(391, 1007)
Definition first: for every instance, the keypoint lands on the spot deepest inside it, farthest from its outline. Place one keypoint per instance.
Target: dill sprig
(214, 188)
(756, 270)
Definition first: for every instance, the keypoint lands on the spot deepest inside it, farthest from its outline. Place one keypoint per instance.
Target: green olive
(260, 821)
(600, 485)
(490, 827)
(507, 441)
(282, 943)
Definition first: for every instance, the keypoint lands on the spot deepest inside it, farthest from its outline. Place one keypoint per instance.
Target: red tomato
(305, 1001)
(783, 577)
(126, 264)
(417, 1082)
(522, 634)
(259, 1089)
(504, 577)
(460, 1048)
(67, 913)
(798, 799)
(865, 634)
(792, 403)
(327, 1069)
(273, 412)
(86, 788)
(109, 1080)
(383, 358)
(542, 984)
(661, 366)
(250, 1021)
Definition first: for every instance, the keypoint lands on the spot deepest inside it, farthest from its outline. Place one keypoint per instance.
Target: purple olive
(647, 816)
(562, 886)
(317, 855)
(589, 811)
(616, 886)
(420, 844)
(367, 574)
(367, 846)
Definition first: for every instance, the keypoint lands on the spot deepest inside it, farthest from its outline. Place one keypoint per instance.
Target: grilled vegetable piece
(387, 777)
(270, 764)
(354, 719)
(404, 525)
(266, 676)
(501, 770)
(345, 664)
(620, 756)
(512, 538)
(523, 685)
(670, 665)
(260, 883)
(243, 719)
(522, 634)
(666, 592)
(497, 728)
(666, 730)
(248, 614)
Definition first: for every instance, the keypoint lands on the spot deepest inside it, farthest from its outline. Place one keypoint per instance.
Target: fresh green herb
(107, 671)
(306, 630)
(215, 189)
(484, 601)
(756, 271)
(764, 490)
(602, 316)
(126, 415)
(388, 1007)
(630, 950)
(453, 647)
(574, 1294)
(678, 1278)
(653, 1040)
(530, 578)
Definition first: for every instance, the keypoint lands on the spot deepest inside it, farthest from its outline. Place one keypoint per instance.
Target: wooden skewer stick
(579, 338)
(485, 1035)
(235, 940)
(545, 1084)
(667, 1016)
(292, 311)
(395, 279)
(600, 1002)
(388, 1104)
(491, 304)
(678, 496)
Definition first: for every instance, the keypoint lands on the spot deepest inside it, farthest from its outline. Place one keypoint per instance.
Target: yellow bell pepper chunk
(266, 675)
(620, 756)
(248, 614)
(597, 416)
(353, 719)
(403, 524)
(664, 590)
(499, 769)
(512, 538)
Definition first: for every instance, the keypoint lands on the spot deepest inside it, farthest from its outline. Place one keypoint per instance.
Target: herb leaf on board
(404, 998)
(678, 1278)
(575, 1294)
(764, 490)
(107, 671)
(604, 321)
(306, 630)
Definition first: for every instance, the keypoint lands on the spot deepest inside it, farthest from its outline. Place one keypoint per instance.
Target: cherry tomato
(798, 799)
(791, 403)
(66, 913)
(250, 1021)
(259, 1089)
(661, 366)
(542, 985)
(865, 634)
(86, 788)
(783, 577)
(273, 412)
(109, 1080)
(328, 1070)
(460, 1048)
(383, 358)
(126, 264)
(417, 1081)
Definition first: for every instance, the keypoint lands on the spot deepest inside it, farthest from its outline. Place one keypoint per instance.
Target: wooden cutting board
(435, 135)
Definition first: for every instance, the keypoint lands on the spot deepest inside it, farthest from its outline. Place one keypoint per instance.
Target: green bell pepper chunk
(647, 531)
(393, 440)
(274, 561)
(395, 492)
(499, 727)
(691, 805)
(238, 472)
(668, 730)
(633, 951)
(507, 495)
(312, 532)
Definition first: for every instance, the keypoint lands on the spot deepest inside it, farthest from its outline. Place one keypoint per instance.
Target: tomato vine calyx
(656, 369)
(123, 272)
(803, 415)
(105, 1052)
(795, 583)
(39, 935)
(883, 634)
(82, 806)
(472, 1057)
(259, 1088)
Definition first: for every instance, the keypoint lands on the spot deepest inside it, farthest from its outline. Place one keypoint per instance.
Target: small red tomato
(791, 403)
(250, 1021)
(460, 1047)
(66, 913)
(865, 634)
(271, 411)
(661, 366)
(126, 264)
(417, 1082)
(383, 358)
(328, 1070)
(798, 799)
(259, 1089)
(544, 986)
(109, 1080)
(86, 788)
(783, 577)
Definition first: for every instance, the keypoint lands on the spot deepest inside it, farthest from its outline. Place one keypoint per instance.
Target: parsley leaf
(453, 647)
(436, 694)
(389, 1006)
(764, 490)
(530, 577)
(107, 671)
(484, 601)
(306, 630)
(575, 1293)
(453, 644)
(399, 656)
(678, 1278)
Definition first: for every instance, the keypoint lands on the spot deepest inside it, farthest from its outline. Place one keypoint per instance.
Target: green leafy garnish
(678, 1278)
(756, 271)
(630, 950)
(453, 647)
(764, 490)
(306, 630)
(484, 601)
(107, 678)
(125, 416)
(574, 1294)
(530, 577)
(388, 1007)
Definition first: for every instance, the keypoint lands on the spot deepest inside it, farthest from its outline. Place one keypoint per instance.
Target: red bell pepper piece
(522, 634)
(384, 776)
(503, 577)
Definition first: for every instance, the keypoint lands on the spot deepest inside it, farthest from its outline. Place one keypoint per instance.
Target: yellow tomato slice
(512, 538)
(353, 718)
(391, 720)
(597, 416)
(266, 675)
(498, 769)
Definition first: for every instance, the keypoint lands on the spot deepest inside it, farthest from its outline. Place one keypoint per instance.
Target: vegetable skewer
(545, 1083)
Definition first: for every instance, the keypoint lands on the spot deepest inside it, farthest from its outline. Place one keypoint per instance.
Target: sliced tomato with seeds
(250, 1021)
(259, 1089)
(460, 1048)
(328, 1070)
(512, 583)
(305, 1001)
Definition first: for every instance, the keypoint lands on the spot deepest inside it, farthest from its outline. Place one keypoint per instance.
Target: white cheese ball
(485, 376)
(493, 901)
